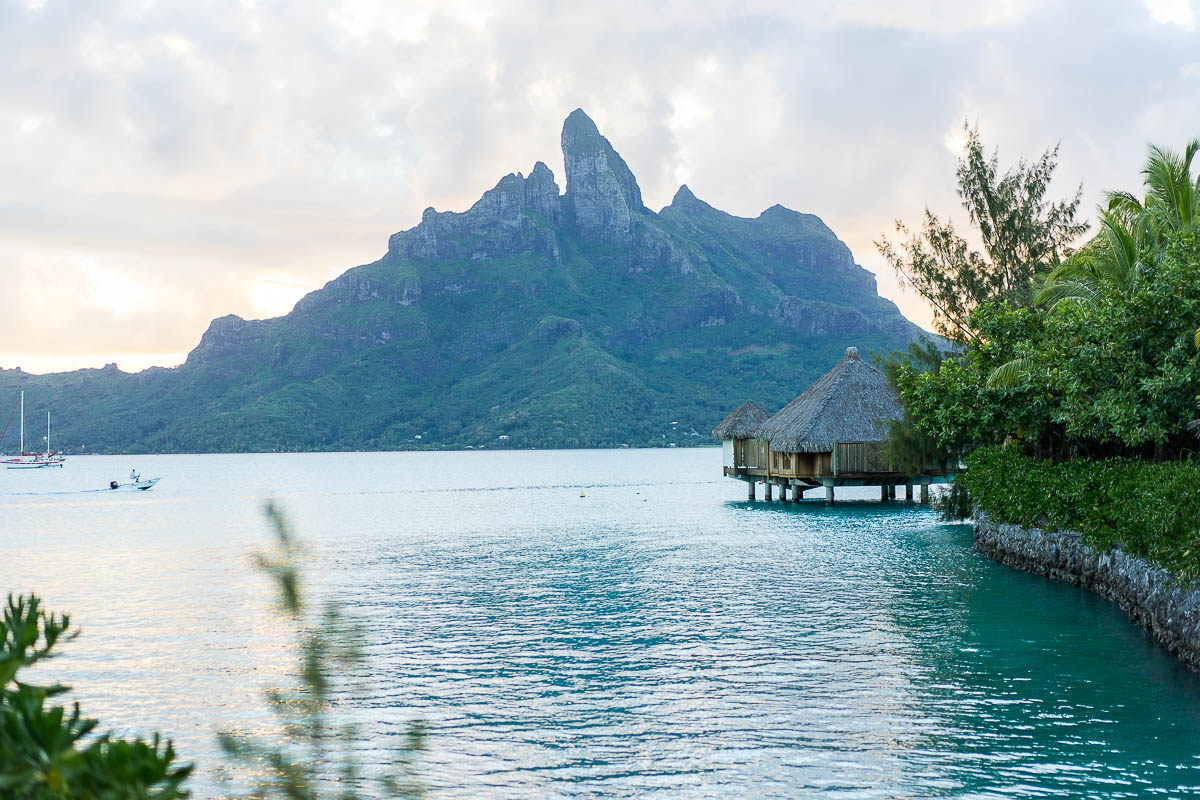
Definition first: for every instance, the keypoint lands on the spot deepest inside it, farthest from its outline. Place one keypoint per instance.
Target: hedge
(1152, 509)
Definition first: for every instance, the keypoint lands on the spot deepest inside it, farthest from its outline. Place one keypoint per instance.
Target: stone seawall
(1146, 593)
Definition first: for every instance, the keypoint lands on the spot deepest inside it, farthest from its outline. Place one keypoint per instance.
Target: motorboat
(139, 485)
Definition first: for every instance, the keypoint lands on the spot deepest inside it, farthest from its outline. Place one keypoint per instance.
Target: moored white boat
(31, 460)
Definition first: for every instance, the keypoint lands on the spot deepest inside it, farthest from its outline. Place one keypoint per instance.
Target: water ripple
(654, 638)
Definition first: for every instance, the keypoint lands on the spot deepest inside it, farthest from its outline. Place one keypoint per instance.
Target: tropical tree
(1133, 232)
(1023, 235)
(1172, 200)
(907, 447)
(1133, 236)
(1113, 262)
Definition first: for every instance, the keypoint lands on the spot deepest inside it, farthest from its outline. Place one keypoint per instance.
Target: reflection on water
(653, 637)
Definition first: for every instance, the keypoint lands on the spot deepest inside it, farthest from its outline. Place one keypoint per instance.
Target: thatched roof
(844, 405)
(742, 423)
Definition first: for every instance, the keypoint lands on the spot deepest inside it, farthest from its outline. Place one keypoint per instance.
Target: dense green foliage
(1151, 508)
(1082, 407)
(48, 752)
(1116, 376)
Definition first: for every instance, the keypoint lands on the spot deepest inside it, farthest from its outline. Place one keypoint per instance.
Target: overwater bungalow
(829, 436)
(739, 447)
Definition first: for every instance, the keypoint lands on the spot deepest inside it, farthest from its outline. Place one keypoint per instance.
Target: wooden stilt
(891, 491)
(908, 492)
(783, 487)
(767, 491)
(750, 492)
(883, 493)
(828, 495)
(797, 492)
(925, 493)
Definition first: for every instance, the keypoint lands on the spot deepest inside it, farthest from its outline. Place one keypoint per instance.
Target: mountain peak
(602, 195)
(687, 202)
(578, 122)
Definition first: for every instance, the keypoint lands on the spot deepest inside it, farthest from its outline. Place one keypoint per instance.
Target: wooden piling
(925, 493)
(750, 487)
(828, 495)
(767, 491)
(908, 492)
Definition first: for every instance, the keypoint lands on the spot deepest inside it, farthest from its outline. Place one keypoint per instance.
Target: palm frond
(1124, 203)
(1009, 374)
(1056, 293)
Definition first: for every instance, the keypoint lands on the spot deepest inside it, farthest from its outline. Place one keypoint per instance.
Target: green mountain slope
(533, 319)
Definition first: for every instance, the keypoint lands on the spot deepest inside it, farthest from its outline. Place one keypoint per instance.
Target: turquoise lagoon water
(657, 637)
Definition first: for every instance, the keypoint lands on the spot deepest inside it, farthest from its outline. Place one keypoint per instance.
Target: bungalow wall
(859, 457)
(800, 465)
(750, 453)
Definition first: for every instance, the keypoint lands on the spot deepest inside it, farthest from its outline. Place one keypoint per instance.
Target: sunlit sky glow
(166, 164)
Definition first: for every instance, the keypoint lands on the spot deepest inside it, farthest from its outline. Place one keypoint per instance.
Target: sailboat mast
(22, 423)
(47, 433)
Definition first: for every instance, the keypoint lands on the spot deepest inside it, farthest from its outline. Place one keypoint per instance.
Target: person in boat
(134, 475)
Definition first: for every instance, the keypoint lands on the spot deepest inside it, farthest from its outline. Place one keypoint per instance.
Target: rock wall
(1147, 594)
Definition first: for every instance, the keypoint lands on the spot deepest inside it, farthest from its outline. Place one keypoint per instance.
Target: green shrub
(48, 752)
(1151, 508)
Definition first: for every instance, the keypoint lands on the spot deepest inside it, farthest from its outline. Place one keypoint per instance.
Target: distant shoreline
(706, 446)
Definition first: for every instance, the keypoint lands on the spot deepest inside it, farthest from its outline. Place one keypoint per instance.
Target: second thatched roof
(742, 423)
(850, 403)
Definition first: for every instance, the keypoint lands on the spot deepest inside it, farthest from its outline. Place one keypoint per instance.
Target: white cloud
(121, 294)
(1172, 12)
(224, 162)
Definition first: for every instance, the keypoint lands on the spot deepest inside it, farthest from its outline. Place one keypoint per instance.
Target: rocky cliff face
(553, 319)
(603, 198)
(501, 221)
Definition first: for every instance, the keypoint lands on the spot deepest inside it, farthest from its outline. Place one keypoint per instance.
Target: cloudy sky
(167, 163)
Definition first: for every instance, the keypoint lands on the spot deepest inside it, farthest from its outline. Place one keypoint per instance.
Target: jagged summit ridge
(500, 212)
(602, 194)
(602, 203)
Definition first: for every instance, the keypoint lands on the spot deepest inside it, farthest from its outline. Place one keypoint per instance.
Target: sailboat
(31, 460)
